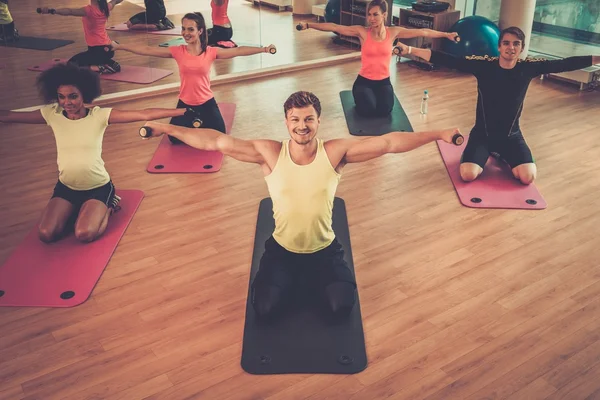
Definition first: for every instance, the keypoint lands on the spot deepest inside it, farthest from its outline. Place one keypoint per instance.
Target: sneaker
(114, 203)
(167, 22)
(164, 24)
(112, 68)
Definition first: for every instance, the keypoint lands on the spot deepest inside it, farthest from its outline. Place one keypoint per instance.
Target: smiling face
(303, 124)
(375, 17)
(70, 99)
(190, 31)
(510, 47)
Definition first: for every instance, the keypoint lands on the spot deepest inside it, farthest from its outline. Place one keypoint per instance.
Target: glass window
(407, 3)
(566, 28)
(561, 28)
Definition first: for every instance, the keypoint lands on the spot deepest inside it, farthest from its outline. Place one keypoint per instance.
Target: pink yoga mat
(180, 158)
(64, 273)
(123, 28)
(494, 188)
(128, 73)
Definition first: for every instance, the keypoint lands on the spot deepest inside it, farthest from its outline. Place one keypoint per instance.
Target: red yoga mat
(63, 273)
(128, 73)
(181, 158)
(124, 28)
(494, 188)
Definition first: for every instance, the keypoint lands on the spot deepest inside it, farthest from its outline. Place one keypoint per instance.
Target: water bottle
(424, 103)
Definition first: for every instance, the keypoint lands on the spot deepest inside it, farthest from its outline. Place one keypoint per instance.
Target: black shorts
(512, 149)
(105, 193)
(282, 268)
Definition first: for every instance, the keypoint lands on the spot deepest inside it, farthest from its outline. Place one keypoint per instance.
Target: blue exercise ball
(332, 11)
(478, 36)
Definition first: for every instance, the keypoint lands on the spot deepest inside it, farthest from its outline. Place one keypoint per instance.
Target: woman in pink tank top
(222, 31)
(372, 89)
(194, 60)
(94, 17)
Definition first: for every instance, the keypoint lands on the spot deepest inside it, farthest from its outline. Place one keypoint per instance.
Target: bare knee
(47, 235)
(525, 173)
(85, 235)
(527, 179)
(469, 173)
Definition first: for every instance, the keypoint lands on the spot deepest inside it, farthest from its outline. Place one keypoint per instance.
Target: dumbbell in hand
(193, 115)
(455, 38)
(145, 132)
(271, 49)
(458, 139)
(300, 26)
(50, 10)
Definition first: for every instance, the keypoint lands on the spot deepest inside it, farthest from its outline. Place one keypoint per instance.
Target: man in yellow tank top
(8, 32)
(302, 174)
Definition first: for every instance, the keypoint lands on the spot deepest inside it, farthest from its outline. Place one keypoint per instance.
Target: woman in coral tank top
(195, 59)
(372, 90)
(222, 30)
(94, 17)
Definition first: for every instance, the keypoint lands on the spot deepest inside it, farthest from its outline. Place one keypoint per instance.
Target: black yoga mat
(302, 340)
(358, 125)
(34, 43)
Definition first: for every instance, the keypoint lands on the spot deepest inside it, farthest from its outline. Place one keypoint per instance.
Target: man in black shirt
(154, 18)
(502, 84)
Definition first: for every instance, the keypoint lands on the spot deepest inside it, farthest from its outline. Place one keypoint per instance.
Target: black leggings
(219, 34)
(8, 30)
(269, 301)
(283, 276)
(373, 98)
(95, 55)
(208, 112)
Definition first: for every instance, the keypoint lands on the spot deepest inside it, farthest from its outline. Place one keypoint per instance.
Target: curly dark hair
(87, 81)
(300, 100)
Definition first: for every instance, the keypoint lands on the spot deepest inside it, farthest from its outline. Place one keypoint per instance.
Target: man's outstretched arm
(208, 139)
(397, 142)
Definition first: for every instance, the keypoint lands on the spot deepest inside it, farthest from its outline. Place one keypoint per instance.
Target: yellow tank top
(303, 201)
(5, 17)
(79, 146)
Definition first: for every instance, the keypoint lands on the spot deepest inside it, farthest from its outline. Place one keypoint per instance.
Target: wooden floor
(253, 26)
(457, 303)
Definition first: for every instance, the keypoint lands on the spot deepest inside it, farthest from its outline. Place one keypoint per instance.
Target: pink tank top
(375, 57)
(219, 13)
(94, 27)
(194, 74)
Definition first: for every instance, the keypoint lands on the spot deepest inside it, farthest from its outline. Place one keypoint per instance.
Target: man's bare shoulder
(267, 145)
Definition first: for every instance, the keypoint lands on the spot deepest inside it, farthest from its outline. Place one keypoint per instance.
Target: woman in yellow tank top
(84, 193)
(8, 32)
(302, 174)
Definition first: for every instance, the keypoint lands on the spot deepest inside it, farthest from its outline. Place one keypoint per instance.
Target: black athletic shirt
(501, 92)
(155, 10)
